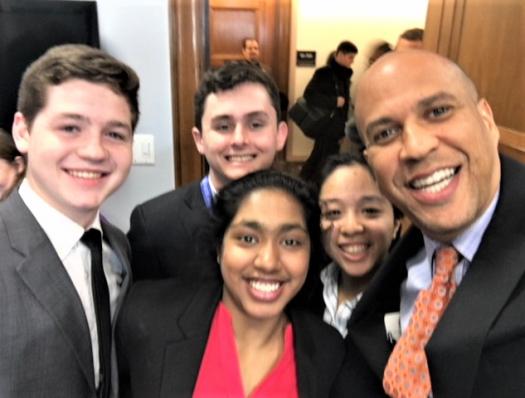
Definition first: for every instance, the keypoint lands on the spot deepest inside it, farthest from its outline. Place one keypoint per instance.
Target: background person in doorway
(329, 88)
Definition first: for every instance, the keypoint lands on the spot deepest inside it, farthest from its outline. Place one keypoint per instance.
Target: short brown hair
(75, 61)
(414, 34)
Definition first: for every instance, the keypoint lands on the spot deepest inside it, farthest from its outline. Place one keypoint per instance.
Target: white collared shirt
(65, 235)
(334, 315)
(420, 267)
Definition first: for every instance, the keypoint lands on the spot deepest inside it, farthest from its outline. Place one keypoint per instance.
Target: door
(268, 21)
(487, 39)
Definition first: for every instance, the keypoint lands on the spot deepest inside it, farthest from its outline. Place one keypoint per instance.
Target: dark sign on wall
(27, 29)
(305, 58)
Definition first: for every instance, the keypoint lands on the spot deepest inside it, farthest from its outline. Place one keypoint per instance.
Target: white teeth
(266, 287)
(354, 249)
(240, 158)
(88, 175)
(436, 181)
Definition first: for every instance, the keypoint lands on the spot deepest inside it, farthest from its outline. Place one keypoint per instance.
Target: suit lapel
(197, 212)
(183, 355)
(43, 273)
(304, 352)
(457, 342)
(366, 327)
(119, 244)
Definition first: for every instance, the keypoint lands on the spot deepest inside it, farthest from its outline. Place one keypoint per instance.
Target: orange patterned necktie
(406, 374)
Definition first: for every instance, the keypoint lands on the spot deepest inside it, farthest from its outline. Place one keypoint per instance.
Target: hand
(340, 102)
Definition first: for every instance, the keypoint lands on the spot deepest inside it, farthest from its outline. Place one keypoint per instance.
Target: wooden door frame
(188, 25)
(189, 56)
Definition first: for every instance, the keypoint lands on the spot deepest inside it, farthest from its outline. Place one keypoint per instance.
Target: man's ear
(21, 133)
(282, 134)
(487, 116)
(197, 137)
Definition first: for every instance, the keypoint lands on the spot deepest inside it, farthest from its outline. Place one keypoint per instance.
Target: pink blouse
(220, 376)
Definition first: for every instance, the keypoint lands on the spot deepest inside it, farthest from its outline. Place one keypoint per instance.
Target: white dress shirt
(334, 315)
(65, 235)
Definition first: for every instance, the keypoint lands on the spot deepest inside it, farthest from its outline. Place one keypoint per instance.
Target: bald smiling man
(433, 145)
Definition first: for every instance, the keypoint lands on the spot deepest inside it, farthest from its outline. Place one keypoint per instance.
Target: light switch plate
(143, 149)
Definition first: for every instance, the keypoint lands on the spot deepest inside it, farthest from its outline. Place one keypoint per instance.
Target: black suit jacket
(164, 328)
(170, 237)
(478, 347)
(45, 346)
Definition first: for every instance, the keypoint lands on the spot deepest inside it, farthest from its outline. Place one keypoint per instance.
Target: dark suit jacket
(328, 83)
(45, 346)
(170, 237)
(478, 347)
(163, 331)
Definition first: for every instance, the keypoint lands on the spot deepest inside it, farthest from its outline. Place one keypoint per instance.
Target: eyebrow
(421, 104)
(440, 96)
(248, 115)
(84, 119)
(368, 198)
(259, 227)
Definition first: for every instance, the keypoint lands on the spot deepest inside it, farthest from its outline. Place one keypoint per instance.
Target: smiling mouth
(86, 175)
(265, 287)
(240, 158)
(354, 249)
(435, 182)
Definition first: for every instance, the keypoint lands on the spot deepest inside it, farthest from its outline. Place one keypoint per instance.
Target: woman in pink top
(244, 336)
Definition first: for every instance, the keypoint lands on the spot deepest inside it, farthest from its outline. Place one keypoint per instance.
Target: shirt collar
(212, 187)
(63, 232)
(468, 241)
(330, 274)
(330, 279)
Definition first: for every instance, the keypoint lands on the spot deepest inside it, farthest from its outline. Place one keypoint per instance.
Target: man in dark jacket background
(329, 88)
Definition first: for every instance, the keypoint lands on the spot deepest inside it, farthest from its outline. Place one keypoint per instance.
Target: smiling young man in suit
(77, 109)
(238, 131)
(433, 145)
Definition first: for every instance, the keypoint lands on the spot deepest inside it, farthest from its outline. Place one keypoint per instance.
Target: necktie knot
(92, 238)
(447, 258)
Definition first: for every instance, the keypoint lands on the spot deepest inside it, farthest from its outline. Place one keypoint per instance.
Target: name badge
(392, 326)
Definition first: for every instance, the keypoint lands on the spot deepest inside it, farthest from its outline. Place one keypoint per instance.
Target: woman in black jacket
(244, 335)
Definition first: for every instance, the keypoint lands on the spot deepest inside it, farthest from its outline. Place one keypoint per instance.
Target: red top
(220, 376)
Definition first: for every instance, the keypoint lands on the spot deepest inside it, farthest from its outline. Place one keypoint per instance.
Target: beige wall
(319, 25)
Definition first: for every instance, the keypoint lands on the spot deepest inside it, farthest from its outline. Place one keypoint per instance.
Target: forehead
(349, 181)
(400, 81)
(79, 91)
(270, 206)
(241, 100)
(251, 44)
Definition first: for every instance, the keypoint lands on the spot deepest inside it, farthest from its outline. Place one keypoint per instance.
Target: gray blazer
(45, 348)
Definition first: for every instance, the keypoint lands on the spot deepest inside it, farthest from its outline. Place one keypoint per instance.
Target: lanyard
(207, 194)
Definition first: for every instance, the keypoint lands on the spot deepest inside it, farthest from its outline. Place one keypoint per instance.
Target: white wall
(136, 32)
(321, 27)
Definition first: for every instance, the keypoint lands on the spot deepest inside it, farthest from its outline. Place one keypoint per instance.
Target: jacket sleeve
(321, 90)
